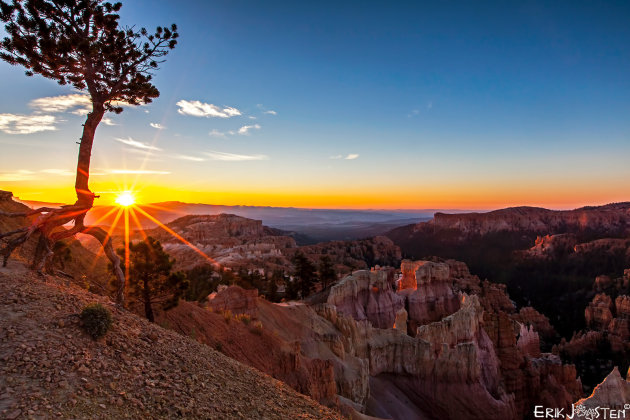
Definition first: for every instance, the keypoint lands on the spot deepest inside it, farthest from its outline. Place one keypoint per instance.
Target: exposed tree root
(49, 224)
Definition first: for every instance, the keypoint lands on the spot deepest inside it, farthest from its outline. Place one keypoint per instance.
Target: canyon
(400, 338)
(431, 342)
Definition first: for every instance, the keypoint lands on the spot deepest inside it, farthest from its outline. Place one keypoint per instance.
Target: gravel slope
(49, 368)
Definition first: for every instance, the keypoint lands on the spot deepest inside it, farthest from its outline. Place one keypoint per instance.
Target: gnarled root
(47, 223)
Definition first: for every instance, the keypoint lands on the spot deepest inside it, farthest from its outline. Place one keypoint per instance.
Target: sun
(125, 199)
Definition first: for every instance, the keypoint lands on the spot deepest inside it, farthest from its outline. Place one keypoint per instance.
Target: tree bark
(84, 195)
(51, 219)
(148, 310)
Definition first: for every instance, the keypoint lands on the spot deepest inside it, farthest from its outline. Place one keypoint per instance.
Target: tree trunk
(84, 195)
(148, 310)
(51, 219)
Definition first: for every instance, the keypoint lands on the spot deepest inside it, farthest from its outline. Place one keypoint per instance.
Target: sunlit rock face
(368, 295)
(427, 289)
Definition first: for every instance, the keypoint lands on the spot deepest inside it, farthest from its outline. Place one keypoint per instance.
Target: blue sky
(360, 104)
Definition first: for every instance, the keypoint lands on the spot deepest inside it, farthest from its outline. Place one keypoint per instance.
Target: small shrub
(227, 316)
(256, 328)
(218, 346)
(96, 320)
(244, 318)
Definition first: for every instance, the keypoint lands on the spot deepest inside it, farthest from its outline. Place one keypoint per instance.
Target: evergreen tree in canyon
(151, 281)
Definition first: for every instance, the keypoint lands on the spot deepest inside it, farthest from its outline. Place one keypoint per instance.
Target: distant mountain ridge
(310, 225)
(609, 217)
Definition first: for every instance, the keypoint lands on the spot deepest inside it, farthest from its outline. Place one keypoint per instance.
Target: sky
(380, 105)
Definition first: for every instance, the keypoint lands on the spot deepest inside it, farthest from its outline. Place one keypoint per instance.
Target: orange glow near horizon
(465, 195)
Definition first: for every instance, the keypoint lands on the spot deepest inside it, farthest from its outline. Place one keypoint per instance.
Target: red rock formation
(602, 283)
(426, 286)
(548, 245)
(348, 256)
(541, 324)
(264, 351)
(469, 360)
(613, 392)
(494, 297)
(598, 313)
(531, 376)
(528, 341)
(235, 300)
(610, 245)
(367, 295)
(622, 307)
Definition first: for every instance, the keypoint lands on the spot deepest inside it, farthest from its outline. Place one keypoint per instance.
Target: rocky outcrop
(608, 245)
(234, 299)
(238, 242)
(5, 195)
(612, 393)
(368, 295)
(598, 313)
(541, 324)
(528, 341)
(452, 355)
(426, 287)
(446, 353)
(548, 246)
(527, 373)
(348, 256)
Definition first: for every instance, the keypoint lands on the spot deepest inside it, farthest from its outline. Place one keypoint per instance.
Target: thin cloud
(216, 133)
(190, 158)
(430, 105)
(76, 103)
(350, 156)
(138, 144)
(244, 130)
(137, 172)
(28, 175)
(202, 109)
(60, 172)
(62, 103)
(26, 124)
(108, 121)
(157, 126)
(20, 175)
(233, 157)
(270, 112)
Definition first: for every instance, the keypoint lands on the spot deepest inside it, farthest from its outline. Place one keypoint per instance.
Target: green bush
(96, 320)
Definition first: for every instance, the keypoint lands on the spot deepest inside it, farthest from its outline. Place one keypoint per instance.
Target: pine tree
(151, 281)
(80, 43)
(327, 274)
(304, 274)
